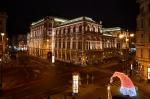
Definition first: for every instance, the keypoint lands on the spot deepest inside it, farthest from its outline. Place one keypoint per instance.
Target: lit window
(141, 53)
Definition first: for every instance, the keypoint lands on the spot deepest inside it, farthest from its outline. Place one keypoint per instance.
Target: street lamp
(109, 91)
(1, 61)
(2, 34)
(126, 45)
(132, 35)
(53, 43)
(125, 36)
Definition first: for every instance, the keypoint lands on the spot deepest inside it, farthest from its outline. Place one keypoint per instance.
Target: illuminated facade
(3, 18)
(143, 37)
(78, 41)
(81, 41)
(39, 39)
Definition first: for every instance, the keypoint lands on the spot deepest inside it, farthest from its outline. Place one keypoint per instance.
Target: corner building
(143, 38)
(3, 40)
(81, 41)
(77, 41)
(39, 39)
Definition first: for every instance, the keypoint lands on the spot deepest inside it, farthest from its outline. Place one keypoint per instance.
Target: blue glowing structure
(127, 87)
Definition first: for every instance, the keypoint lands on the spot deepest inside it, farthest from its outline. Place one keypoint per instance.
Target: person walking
(49, 56)
(92, 78)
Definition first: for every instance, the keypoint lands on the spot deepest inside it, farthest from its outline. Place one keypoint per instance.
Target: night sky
(21, 13)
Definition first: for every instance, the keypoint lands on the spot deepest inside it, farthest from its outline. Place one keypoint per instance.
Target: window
(142, 23)
(149, 22)
(93, 29)
(149, 53)
(79, 45)
(149, 37)
(149, 7)
(0, 22)
(80, 28)
(74, 29)
(64, 45)
(68, 30)
(68, 45)
(74, 45)
(141, 53)
(142, 35)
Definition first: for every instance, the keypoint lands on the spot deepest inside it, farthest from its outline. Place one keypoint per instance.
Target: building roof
(111, 29)
(78, 19)
(56, 19)
(39, 21)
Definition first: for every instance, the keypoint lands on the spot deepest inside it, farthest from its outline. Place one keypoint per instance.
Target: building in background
(79, 41)
(125, 40)
(3, 34)
(22, 42)
(39, 39)
(143, 38)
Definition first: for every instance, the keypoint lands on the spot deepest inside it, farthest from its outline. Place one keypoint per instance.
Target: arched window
(74, 29)
(87, 28)
(80, 28)
(93, 28)
(68, 30)
(62, 31)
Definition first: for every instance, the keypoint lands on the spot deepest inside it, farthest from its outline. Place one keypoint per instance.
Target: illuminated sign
(148, 73)
(75, 84)
(53, 59)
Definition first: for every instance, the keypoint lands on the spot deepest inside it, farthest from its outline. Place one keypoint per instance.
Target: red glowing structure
(127, 87)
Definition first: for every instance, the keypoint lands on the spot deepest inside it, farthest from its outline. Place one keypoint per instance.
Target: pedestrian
(49, 56)
(92, 78)
(87, 77)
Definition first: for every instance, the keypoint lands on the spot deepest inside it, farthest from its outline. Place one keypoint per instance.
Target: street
(31, 78)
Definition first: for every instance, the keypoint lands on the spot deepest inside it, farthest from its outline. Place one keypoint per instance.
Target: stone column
(71, 48)
(61, 48)
(65, 49)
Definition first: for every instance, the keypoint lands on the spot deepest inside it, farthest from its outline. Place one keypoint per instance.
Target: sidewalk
(90, 91)
(142, 86)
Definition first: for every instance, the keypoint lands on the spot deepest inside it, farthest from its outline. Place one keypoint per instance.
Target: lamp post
(126, 39)
(53, 43)
(125, 46)
(2, 34)
(2, 61)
